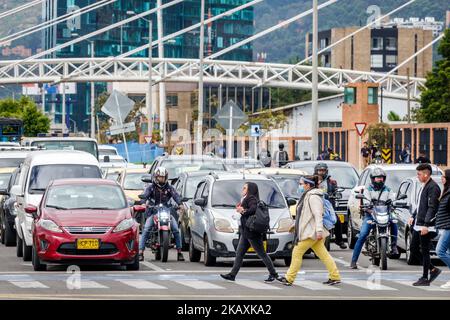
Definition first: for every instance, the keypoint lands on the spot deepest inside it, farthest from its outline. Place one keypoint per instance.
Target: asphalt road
(186, 280)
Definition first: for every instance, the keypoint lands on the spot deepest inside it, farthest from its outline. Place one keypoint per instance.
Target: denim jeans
(364, 233)
(149, 226)
(443, 246)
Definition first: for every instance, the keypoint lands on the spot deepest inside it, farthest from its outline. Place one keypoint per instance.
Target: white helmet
(161, 172)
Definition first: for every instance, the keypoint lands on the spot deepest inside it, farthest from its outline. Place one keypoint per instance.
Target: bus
(11, 129)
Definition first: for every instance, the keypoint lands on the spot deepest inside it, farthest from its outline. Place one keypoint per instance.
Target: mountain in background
(289, 43)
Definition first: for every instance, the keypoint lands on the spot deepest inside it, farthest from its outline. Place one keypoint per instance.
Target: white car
(12, 158)
(395, 174)
(38, 169)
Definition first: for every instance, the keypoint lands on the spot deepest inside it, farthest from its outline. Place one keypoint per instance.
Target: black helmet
(378, 172)
(321, 166)
(161, 172)
(281, 145)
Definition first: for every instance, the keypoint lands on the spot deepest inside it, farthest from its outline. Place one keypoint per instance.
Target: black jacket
(443, 213)
(429, 202)
(250, 203)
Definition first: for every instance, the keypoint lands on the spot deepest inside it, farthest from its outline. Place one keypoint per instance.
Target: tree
(34, 120)
(435, 99)
(392, 116)
(381, 133)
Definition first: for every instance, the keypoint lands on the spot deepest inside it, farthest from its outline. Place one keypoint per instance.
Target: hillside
(290, 42)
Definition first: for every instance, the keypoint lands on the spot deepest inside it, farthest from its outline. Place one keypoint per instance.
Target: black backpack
(260, 221)
(283, 157)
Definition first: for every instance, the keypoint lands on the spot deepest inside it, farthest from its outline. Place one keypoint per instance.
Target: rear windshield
(177, 167)
(41, 175)
(133, 181)
(346, 177)
(107, 152)
(11, 162)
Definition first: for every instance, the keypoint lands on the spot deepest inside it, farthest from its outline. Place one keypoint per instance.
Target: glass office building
(219, 35)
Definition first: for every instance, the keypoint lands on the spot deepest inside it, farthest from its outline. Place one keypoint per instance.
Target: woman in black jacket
(247, 207)
(443, 224)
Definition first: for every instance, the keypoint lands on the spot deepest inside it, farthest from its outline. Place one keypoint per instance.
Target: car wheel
(19, 246)
(184, 244)
(409, 259)
(287, 261)
(27, 250)
(135, 265)
(351, 235)
(10, 236)
(194, 254)
(37, 265)
(2, 232)
(210, 260)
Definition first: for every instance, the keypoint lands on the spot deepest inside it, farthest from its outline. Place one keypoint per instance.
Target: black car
(186, 185)
(8, 211)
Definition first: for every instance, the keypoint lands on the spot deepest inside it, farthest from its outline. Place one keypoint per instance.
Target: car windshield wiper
(56, 207)
(38, 189)
(224, 205)
(93, 208)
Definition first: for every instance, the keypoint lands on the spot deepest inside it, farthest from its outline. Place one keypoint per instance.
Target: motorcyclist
(329, 188)
(378, 193)
(160, 191)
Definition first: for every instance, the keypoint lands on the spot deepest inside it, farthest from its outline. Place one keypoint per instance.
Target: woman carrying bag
(310, 232)
(443, 224)
(247, 207)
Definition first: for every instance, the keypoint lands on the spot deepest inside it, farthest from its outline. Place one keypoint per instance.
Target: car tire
(351, 235)
(19, 246)
(135, 265)
(409, 259)
(194, 254)
(37, 265)
(2, 232)
(209, 259)
(287, 261)
(10, 236)
(27, 251)
(184, 244)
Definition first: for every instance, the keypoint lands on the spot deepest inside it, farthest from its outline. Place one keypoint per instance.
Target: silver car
(214, 222)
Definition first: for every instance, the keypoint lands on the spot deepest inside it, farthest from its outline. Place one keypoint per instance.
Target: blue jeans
(364, 233)
(149, 226)
(443, 246)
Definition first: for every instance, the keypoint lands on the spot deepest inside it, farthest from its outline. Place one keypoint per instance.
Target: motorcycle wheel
(164, 247)
(383, 253)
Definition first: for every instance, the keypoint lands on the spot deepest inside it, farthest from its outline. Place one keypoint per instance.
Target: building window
(219, 42)
(391, 61)
(328, 124)
(350, 95)
(376, 61)
(391, 43)
(377, 43)
(372, 96)
(172, 126)
(172, 100)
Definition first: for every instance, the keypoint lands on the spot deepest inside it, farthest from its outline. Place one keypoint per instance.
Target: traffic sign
(255, 130)
(386, 155)
(360, 127)
(126, 127)
(118, 106)
(230, 116)
(148, 139)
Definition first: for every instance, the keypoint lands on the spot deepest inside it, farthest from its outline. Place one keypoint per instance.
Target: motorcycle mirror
(147, 178)
(138, 208)
(200, 202)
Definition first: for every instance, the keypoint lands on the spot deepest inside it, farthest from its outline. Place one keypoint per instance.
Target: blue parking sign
(255, 130)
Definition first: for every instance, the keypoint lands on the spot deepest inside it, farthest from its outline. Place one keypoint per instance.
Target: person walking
(405, 155)
(247, 207)
(310, 232)
(365, 153)
(423, 224)
(443, 224)
(422, 158)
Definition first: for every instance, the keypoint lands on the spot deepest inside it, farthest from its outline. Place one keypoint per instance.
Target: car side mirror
(106, 159)
(3, 192)
(200, 202)
(402, 197)
(291, 202)
(32, 210)
(147, 178)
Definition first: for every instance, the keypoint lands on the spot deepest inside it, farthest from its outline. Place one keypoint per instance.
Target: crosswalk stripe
(29, 284)
(197, 284)
(368, 285)
(89, 284)
(312, 285)
(140, 284)
(430, 288)
(258, 285)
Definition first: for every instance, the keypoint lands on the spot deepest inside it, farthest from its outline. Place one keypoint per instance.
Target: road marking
(29, 284)
(197, 284)
(258, 285)
(368, 285)
(347, 264)
(140, 284)
(152, 266)
(430, 288)
(312, 285)
(89, 284)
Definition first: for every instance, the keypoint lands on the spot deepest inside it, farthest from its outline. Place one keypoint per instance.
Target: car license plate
(253, 250)
(88, 244)
(341, 218)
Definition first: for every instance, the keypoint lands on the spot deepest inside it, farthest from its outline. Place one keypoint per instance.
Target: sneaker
(180, 256)
(141, 257)
(353, 265)
(228, 277)
(272, 278)
(446, 285)
(284, 281)
(434, 274)
(422, 282)
(341, 245)
(331, 282)
(394, 251)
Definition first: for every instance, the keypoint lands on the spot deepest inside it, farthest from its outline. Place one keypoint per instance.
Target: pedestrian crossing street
(193, 284)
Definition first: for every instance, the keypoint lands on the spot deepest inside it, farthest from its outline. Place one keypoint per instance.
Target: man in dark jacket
(423, 224)
(443, 224)
(422, 158)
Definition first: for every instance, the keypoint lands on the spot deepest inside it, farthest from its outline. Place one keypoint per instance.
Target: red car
(84, 221)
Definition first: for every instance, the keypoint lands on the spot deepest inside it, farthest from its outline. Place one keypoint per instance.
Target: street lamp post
(200, 81)
(92, 94)
(150, 80)
(315, 81)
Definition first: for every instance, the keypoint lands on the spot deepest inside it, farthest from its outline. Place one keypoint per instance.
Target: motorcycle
(379, 240)
(337, 195)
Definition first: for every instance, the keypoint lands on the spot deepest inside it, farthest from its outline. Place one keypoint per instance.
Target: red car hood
(87, 218)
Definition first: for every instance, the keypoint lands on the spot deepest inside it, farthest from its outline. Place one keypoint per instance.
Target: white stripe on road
(140, 284)
(369, 285)
(89, 284)
(152, 266)
(430, 288)
(29, 284)
(258, 285)
(312, 285)
(197, 284)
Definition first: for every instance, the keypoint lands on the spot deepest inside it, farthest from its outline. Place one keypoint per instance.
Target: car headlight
(124, 225)
(223, 225)
(50, 226)
(285, 224)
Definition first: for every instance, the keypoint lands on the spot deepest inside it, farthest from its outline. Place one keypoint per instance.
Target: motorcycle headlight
(124, 225)
(284, 225)
(50, 226)
(383, 219)
(223, 225)
(164, 215)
